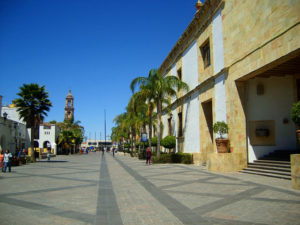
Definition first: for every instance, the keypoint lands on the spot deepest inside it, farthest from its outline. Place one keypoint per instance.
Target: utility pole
(105, 128)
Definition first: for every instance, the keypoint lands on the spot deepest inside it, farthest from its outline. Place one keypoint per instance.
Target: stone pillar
(54, 148)
(295, 171)
(225, 162)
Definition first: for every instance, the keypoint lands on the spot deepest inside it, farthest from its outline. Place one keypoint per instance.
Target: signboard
(144, 137)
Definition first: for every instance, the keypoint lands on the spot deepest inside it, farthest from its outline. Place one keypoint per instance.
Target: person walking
(48, 150)
(1, 160)
(7, 161)
(148, 156)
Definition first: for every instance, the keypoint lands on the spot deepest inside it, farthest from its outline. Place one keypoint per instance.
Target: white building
(47, 133)
(13, 132)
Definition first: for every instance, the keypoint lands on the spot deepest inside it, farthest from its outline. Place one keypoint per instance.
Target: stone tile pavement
(96, 189)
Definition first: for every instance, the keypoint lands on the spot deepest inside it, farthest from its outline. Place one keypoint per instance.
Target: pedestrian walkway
(95, 189)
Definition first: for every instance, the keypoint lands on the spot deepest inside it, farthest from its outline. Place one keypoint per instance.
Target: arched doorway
(3, 143)
(45, 144)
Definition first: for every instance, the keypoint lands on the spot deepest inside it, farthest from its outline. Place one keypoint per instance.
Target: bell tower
(69, 107)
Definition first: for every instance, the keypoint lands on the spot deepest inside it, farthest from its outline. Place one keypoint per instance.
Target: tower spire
(69, 107)
(198, 5)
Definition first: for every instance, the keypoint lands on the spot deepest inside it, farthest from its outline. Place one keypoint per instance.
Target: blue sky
(94, 48)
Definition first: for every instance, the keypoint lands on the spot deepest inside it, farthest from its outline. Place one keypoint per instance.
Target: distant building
(69, 107)
(96, 143)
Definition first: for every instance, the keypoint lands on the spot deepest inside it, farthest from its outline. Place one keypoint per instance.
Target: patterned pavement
(96, 189)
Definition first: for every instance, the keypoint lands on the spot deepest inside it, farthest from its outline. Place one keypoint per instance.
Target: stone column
(295, 171)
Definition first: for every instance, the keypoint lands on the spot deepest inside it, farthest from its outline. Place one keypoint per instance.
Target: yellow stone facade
(295, 171)
(257, 36)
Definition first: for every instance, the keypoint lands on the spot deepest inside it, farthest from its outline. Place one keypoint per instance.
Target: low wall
(197, 159)
(295, 171)
(39, 149)
(225, 162)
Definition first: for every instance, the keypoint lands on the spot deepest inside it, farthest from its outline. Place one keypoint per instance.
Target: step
(268, 171)
(267, 174)
(270, 167)
(272, 161)
(271, 164)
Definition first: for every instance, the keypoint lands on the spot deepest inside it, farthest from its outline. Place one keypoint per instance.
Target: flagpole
(105, 129)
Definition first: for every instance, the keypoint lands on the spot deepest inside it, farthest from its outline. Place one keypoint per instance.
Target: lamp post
(144, 139)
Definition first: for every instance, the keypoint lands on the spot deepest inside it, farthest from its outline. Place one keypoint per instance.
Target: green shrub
(164, 158)
(153, 141)
(142, 155)
(28, 159)
(295, 114)
(137, 144)
(185, 158)
(169, 142)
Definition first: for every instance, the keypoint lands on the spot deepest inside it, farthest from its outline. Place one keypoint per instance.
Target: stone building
(241, 61)
(13, 132)
(69, 107)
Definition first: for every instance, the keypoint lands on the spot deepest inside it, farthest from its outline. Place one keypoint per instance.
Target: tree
(145, 95)
(32, 105)
(71, 135)
(160, 89)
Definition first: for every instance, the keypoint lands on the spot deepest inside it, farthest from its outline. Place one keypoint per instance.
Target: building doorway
(206, 130)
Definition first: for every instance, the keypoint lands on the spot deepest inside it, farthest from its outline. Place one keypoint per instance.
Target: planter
(222, 145)
(298, 136)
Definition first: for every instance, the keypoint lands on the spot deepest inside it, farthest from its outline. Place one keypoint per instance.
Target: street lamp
(144, 139)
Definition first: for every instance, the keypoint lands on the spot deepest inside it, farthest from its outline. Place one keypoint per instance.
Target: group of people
(5, 161)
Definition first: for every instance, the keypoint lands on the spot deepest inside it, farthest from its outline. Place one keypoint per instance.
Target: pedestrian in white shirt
(7, 161)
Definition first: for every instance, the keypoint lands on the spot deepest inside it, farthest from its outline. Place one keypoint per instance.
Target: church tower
(69, 107)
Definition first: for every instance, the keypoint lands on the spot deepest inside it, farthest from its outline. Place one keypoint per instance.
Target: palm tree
(32, 106)
(136, 112)
(66, 140)
(121, 130)
(160, 89)
(145, 96)
(74, 136)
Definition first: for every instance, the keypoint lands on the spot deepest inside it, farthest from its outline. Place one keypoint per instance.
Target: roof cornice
(201, 18)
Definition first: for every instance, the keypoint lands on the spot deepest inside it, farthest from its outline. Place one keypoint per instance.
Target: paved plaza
(96, 189)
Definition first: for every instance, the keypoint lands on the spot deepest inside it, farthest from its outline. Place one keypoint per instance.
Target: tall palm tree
(121, 130)
(136, 110)
(66, 140)
(33, 104)
(145, 95)
(160, 89)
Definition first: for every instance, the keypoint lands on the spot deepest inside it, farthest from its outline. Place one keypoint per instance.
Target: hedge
(179, 157)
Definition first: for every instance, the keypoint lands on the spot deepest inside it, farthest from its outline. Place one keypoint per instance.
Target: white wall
(218, 49)
(275, 104)
(174, 125)
(220, 99)
(190, 66)
(173, 73)
(12, 114)
(48, 135)
(191, 124)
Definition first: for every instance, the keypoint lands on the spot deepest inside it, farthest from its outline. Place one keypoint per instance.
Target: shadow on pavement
(52, 161)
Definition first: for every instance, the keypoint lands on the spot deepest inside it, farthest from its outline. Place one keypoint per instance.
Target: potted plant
(169, 142)
(295, 116)
(222, 143)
